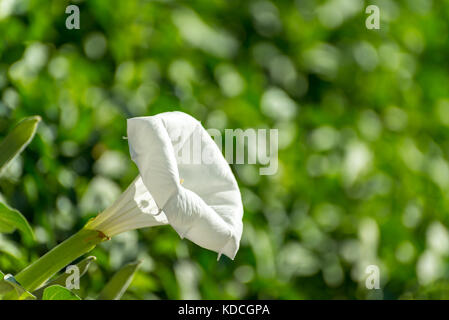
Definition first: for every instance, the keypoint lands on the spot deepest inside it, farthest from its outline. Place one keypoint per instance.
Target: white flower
(134, 209)
(199, 199)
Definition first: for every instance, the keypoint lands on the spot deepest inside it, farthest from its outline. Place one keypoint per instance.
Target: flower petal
(207, 208)
(152, 151)
(134, 209)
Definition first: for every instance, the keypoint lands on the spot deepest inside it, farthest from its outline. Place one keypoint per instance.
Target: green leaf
(4, 286)
(17, 140)
(10, 289)
(11, 219)
(37, 273)
(83, 265)
(58, 292)
(117, 286)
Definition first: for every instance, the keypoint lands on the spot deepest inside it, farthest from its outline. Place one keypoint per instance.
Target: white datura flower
(199, 199)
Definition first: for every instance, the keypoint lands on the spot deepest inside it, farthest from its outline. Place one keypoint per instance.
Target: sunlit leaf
(58, 292)
(11, 219)
(10, 289)
(118, 284)
(83, 265)
(17, 140)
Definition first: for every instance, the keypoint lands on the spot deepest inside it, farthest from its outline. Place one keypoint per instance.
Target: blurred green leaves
(363, 135)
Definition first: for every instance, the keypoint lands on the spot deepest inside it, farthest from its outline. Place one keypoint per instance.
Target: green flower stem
(33, 276)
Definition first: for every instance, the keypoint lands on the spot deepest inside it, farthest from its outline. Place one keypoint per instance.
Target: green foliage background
(363, 117)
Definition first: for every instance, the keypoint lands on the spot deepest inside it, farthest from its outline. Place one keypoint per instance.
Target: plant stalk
(35, 275)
